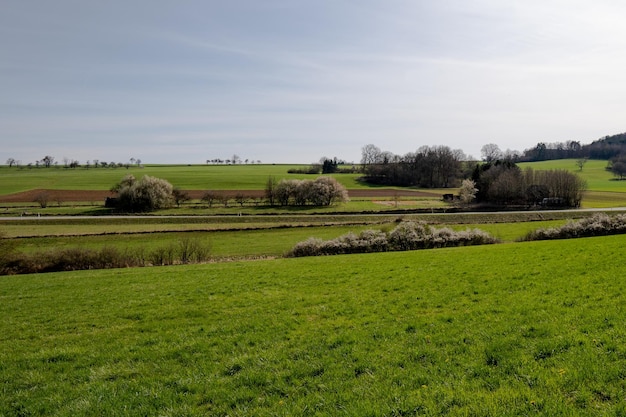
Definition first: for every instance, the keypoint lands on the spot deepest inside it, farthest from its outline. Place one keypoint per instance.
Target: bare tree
(180, 196)
(47, 161)
(270, 190)
(370, 154)
(209, 197)
(42, 199)
(241, 199)
(11, 162)
(491, 152)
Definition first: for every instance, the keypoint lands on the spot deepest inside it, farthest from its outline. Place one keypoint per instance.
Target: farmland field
(189, 177)
(602, 189)
(509, 329)
(514, 329)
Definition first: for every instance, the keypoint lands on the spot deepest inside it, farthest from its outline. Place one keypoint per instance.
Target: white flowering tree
(467, 192)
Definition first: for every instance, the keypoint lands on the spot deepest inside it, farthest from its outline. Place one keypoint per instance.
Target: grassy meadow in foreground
(514, 329)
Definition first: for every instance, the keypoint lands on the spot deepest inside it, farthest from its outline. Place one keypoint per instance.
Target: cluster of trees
(323, 191)
(428, 167)
(504, 183)
(497, 181)
(617, 165)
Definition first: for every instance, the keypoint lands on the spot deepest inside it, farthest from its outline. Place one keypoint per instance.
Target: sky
(291, 81)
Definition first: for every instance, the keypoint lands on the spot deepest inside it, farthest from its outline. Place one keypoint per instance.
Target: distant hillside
(619, 139)
(608, 147)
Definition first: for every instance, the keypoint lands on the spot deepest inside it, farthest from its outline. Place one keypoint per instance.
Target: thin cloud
(284, 79)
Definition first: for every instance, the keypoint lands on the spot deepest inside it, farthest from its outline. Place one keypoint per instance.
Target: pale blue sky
(294, 80)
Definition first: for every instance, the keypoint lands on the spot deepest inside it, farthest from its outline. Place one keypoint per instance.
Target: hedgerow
(75, 259)
(405, 236)
(599, 224)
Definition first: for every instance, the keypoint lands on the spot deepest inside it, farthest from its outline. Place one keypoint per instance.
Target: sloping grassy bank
(516, 329)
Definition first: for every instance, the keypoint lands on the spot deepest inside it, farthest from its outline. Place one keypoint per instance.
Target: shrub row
(405, 236)
(599, 224)
(75, 259)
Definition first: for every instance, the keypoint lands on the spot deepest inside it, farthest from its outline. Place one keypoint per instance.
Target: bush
(192, 250)
(147, 194)
(405, 236)
(599, 224)
(409, 236)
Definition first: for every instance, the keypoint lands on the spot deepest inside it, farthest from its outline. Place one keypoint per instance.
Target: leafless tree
(491, 152)
(180, 196)
(209, 197)
(42, 199)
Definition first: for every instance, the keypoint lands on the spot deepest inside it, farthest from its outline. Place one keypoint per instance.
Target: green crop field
(189, 177)
(515, 329)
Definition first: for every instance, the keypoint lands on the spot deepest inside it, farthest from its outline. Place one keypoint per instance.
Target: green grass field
(594, 172)
(515, 329)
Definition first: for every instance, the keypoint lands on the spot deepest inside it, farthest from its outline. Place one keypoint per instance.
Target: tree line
(49, 161)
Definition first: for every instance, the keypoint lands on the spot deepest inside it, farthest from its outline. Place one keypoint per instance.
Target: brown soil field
(100, 195)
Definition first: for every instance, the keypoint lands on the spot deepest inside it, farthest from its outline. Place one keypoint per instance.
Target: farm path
(360, 215)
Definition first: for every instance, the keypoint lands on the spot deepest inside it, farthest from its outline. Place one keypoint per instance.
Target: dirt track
(99, 195)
